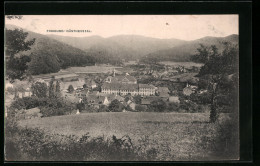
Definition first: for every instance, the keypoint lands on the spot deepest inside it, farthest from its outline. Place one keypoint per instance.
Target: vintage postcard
(122, 87)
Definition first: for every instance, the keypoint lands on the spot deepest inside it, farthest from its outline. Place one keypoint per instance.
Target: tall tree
(70, 89)
(51, 88)
(57, 90)
(39, 89)
(115, 106)
(15, 42)
(216, 67)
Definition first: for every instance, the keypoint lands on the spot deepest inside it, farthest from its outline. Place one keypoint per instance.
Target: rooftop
(123, 78)
(163, 89)
(120, 86)
(146, 86)
(96, 99)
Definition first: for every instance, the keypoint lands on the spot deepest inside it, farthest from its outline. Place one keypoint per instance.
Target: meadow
(176, 136)
(92, 69)
(185, 64)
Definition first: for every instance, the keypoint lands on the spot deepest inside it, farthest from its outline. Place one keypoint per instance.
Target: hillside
(183, 52)
(145, 45)
(82, 43)
(131, 47)
(114, 49)
(127, 47)
(52, 52)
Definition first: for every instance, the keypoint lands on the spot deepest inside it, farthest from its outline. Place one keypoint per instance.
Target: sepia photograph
(121, 87)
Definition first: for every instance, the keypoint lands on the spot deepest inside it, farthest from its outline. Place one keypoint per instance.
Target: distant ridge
(182, 53)
(132, 47)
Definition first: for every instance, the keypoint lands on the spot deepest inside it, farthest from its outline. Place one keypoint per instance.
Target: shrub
(158, 105)
(26, 103)
(56, 107)
(173, 107)
(50, 111)
(103, 108)
(140, 108)
(115, 106)
(10, 90)
(89, 109)
(18, 104)
(12, 151)
(35, 145)
(39, 89)
(183, 107)
(137, 99)
(70, 89)
(48, 106)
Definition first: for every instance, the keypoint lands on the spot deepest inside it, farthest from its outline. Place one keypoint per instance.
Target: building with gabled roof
(91, 84)
(127, 79)
(146, 90)
(123, 85)
(96, 101)
(124, 89)
(119, 88)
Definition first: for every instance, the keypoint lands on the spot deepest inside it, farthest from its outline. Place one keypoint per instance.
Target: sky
(185, 27)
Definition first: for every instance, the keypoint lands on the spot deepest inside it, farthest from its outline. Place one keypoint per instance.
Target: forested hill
(184, 52)
(64, 51)
(49, 55)
(129, 47)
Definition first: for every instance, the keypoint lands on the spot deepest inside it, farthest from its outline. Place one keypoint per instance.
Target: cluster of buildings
(123, 85)
(112, 87)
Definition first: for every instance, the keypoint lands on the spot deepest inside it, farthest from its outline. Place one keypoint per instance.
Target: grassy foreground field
(178, 136)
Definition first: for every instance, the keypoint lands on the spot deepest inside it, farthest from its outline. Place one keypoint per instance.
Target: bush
(25, 103)
(128, 108)
(103, 108)
(140, 108)
(12, 150)
(39, 89)
(115, 106)
(48, 106)
(10, 90)
(70, 89)
(50, 111)
(89, 109)
(158, 105)
(172, 107)
(35, 145)
(55, 107)
(137, 99)
(189, 106)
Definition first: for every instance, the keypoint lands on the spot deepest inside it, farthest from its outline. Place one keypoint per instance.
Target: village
(156, 87)
(135, 86)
